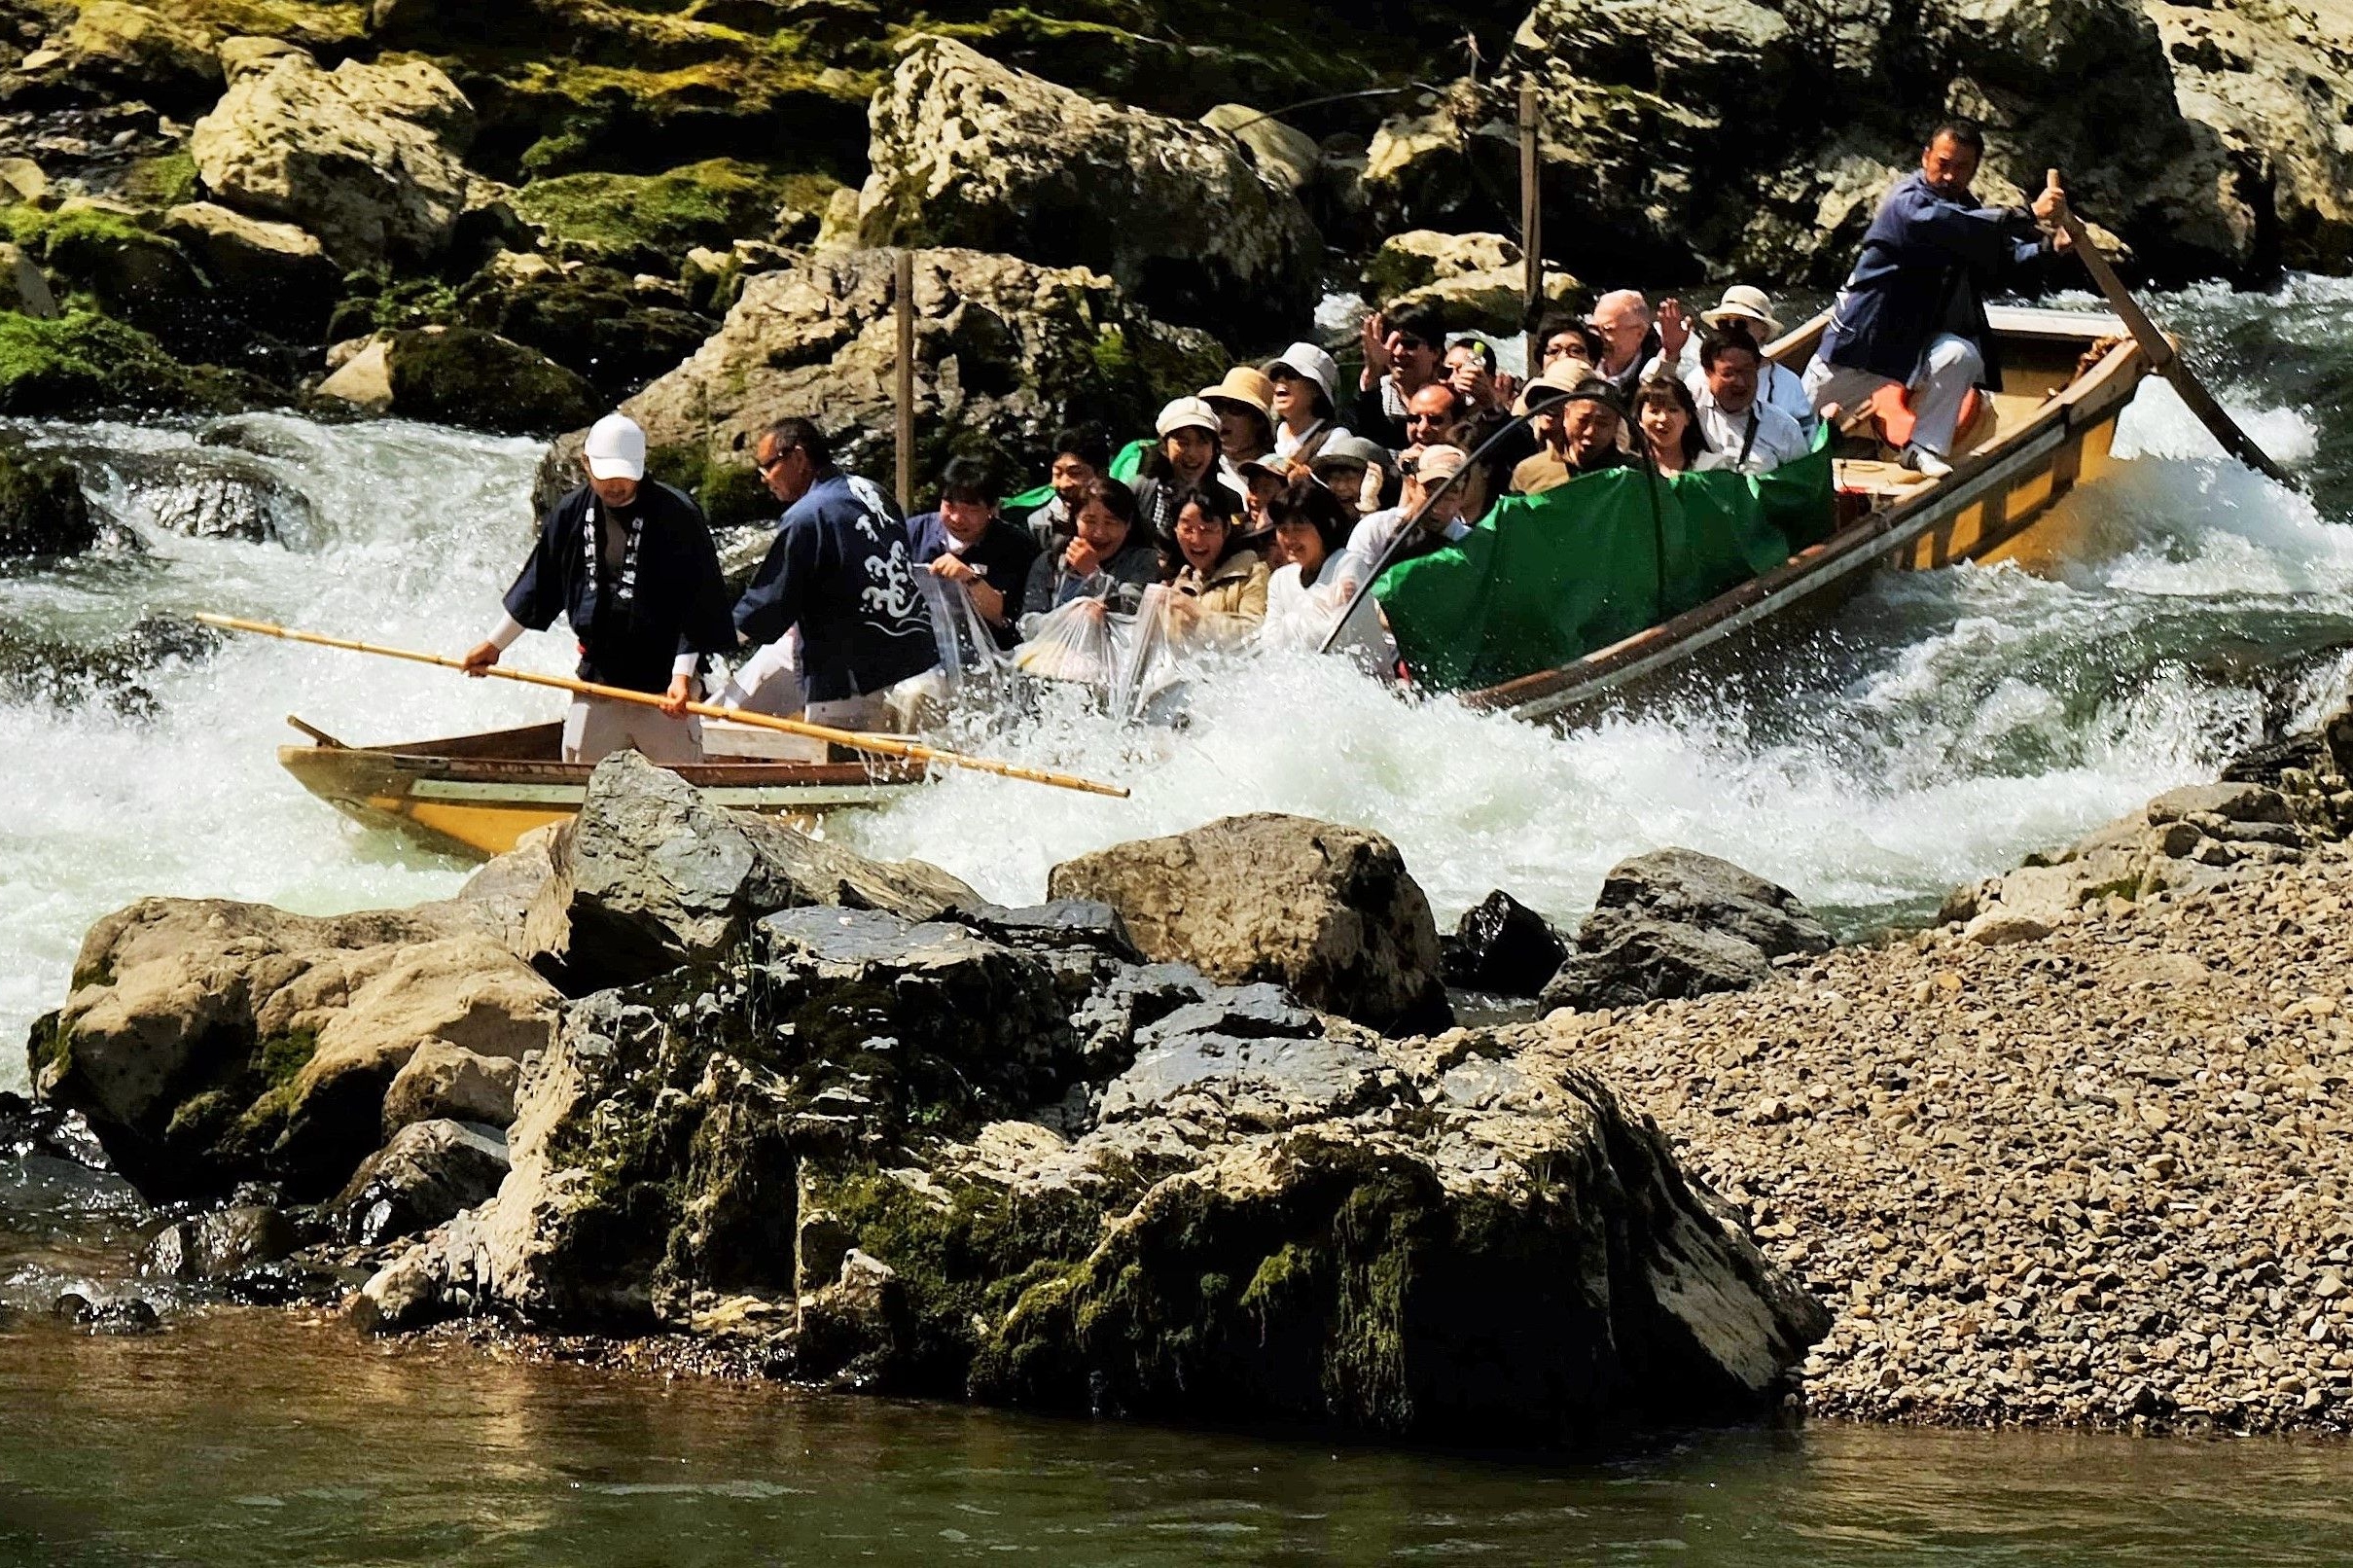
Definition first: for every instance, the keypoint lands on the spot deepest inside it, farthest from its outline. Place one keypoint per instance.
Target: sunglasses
(764, 470)
(1410, 343)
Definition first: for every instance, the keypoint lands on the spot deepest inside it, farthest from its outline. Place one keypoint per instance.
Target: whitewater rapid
(1939, 727)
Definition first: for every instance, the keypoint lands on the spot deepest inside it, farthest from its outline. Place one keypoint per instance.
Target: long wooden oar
(2159, 351)
(883, 745)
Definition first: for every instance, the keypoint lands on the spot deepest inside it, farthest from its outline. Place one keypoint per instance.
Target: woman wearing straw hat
(1245, 401)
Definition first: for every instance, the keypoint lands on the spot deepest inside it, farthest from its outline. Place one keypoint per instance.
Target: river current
(1937, 727)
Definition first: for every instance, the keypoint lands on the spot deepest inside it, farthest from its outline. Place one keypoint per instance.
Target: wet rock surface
(429, 1172)
(1326, 911)
(1502, 946)
(1675, 923)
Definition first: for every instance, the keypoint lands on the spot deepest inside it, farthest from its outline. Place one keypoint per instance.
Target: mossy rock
(645, 223)
(85, 363)
(590, 320)
(462, 376)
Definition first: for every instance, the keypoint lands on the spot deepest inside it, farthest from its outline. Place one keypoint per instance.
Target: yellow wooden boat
(474, 795)
(2066, 375)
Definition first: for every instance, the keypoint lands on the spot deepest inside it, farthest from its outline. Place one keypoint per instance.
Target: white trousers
(597, 727)
(1949, 368)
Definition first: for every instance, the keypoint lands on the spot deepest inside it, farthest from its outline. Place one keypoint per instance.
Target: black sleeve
(705, 625)
(537, 597)
(1367, 417)
(1039, 596)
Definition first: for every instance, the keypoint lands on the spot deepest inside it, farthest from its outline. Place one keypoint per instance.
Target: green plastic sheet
(1544, 580)
(1125, 464)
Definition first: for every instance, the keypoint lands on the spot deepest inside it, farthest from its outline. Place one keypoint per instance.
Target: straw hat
(1744, 304)
(1311, 362)
(1185, 413)
(1248, 387)
(1558, 382)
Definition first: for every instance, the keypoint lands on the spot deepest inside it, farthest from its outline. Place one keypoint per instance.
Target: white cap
(1312, 362)
(617, 448)
(1183, 414)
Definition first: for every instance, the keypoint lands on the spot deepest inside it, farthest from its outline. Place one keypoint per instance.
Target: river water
(1941, 726)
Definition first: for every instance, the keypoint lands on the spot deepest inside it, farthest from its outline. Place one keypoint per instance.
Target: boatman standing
(629, 563)
(1912, 312)
(841, 573)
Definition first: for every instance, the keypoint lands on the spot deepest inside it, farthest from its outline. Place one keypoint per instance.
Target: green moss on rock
(730, 494)
(462, 376)
(85, 363)
(642, 222)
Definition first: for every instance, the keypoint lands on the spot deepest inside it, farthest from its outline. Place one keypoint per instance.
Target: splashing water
(1937, 727)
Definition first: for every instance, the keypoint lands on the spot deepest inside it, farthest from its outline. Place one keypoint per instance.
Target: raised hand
(1674, 331)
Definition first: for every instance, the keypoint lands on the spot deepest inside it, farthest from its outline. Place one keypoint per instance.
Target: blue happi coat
(1928, 261)
(841, 571)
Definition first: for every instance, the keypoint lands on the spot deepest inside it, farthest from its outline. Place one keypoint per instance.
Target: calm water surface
(248, 1437)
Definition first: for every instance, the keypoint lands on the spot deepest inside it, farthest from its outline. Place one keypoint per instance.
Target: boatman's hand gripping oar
(879, 745)
(2155, 345)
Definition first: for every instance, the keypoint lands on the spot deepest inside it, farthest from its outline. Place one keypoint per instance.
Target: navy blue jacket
(841, 571)
(1926, 265)
(1002, 556)
(676, 602)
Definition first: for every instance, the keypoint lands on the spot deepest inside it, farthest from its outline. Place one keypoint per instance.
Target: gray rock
(2233, 802)
(1063, 923)
(968, 152)
(1327, 912)
(219, 1244)
(208, 492)
(431, 1172)
(1639, 960)
(1226, 1083)
(1696, 889)
(651, 876)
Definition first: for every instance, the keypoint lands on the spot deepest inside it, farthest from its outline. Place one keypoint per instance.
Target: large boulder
(1474, 282)
(604, 324)
(1007, 353)
(366, 156)
(463, 375)
(202, 492)
(2273, 83)
(967, 152)
(1756, 136)
(113, 49)
(651, 876)
(1676, 922)
(1329, 912)
(210, 1042)
(1250, 1212)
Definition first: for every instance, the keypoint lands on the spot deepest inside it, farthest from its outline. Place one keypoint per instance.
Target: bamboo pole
(1531, 229)
(881, 745)
(2159, 350)
(902, 304)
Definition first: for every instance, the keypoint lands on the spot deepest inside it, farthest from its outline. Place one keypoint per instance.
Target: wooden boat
(2065, 378)
(473, 796)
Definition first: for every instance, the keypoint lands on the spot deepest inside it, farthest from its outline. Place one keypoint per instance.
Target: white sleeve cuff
(684, 664)
(503, 636)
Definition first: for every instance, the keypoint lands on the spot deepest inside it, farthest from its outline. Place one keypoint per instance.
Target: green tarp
(1546, 579)
(1125, 464)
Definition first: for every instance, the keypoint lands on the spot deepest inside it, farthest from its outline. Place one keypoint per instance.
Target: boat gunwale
(327, 761)
(1543, 692)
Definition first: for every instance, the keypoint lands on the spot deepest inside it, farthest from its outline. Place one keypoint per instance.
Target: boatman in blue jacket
(629, 563)
(841, 575)
(1912, 312)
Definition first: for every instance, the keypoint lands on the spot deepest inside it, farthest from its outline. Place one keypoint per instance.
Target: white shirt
(1762, 439)
(1285, 443)
(1302, 614)
(1370, 539)
(1776, 383)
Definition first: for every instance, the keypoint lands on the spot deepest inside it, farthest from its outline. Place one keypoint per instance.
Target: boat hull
(474, 795)
(2057, 419)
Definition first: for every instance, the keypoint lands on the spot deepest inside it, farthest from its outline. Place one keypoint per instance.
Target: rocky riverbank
(2076, 1156)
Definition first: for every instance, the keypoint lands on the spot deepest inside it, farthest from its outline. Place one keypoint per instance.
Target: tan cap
(1434, 465)
(1248, 387)
(1558, 380)
(1185, 413)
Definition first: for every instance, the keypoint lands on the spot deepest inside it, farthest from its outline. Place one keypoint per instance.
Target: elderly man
(1577, 420)
(629, 563)
(841, 574)
(1621, 319)
(1913, 311)
(1749, 433)
(1434, 416)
